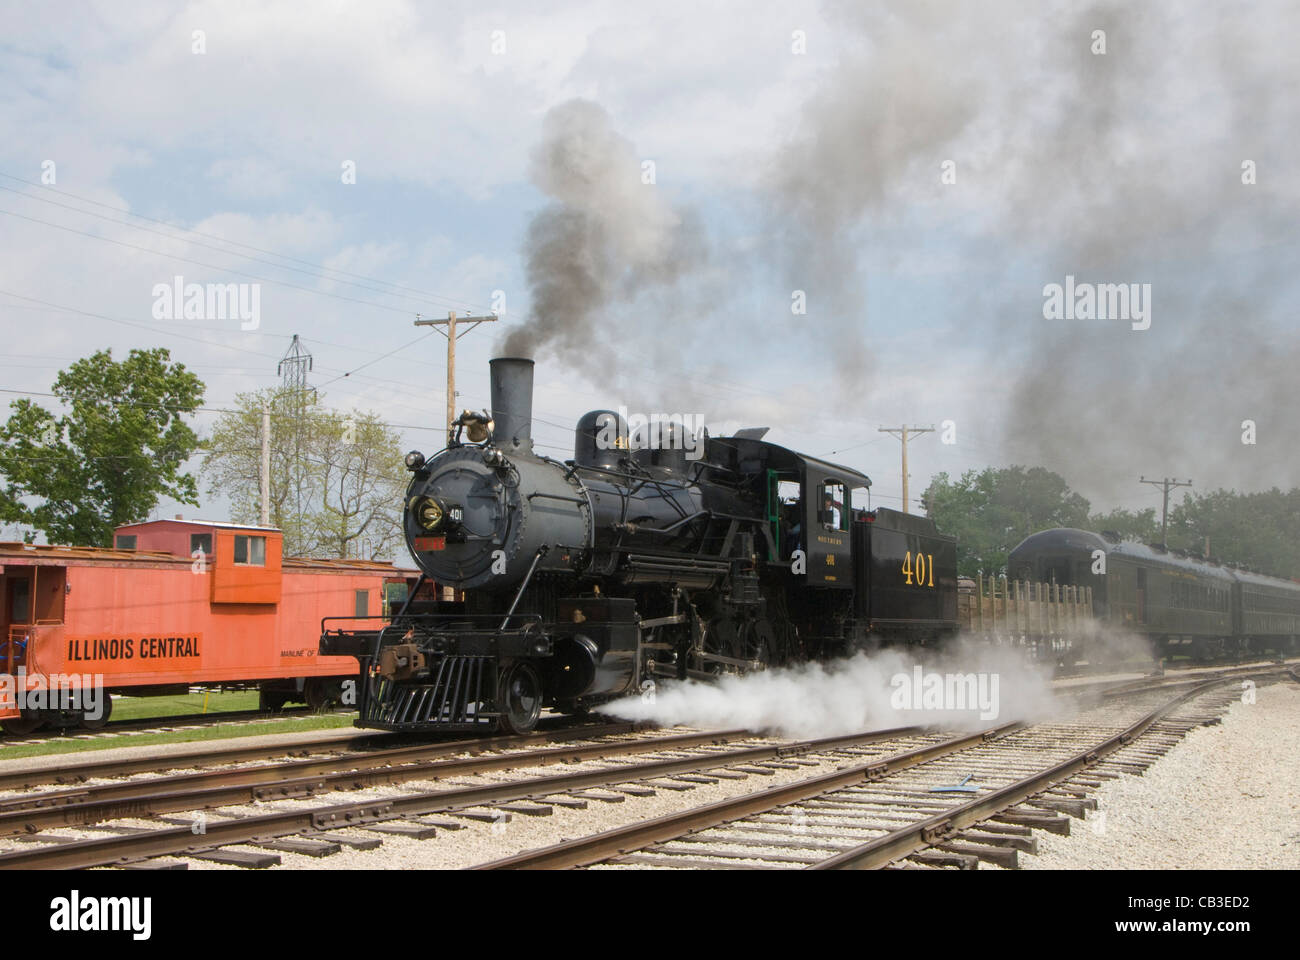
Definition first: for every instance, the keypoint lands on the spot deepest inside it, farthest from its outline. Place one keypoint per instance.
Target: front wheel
(519, 698)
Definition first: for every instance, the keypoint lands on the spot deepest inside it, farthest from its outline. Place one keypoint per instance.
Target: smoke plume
(1106, 142)
(604, 238)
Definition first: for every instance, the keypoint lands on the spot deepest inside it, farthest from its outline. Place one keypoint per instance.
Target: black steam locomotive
(1185, 605)
(649, 554)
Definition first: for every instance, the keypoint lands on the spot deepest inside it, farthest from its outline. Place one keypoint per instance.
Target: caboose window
(250, 550)
(200, 541)
(363, 603)
(125, 542)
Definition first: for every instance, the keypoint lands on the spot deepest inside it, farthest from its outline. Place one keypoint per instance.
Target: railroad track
(879, 813)
(1146, 663)
(253, 813)
(671, 759)
(552, 729)
(1109, 689)
(225, 753)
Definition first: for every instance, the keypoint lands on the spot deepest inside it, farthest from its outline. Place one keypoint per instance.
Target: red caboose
(175, 603)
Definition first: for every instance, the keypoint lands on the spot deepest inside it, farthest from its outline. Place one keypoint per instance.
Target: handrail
(19, 636)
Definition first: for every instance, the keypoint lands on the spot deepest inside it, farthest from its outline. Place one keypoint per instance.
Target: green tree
(361, 482)
(337, 479)
(232, 463)
(1142, 526)
(1258, 530)
(107, 461)
(990, 511)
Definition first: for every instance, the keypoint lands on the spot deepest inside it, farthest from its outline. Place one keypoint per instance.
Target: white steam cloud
(853, 695)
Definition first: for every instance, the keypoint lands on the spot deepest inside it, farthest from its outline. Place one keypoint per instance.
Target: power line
(200, 233)
(166, 331)
(243, 256)
(236, 411)
(384, 356)
(210, 266)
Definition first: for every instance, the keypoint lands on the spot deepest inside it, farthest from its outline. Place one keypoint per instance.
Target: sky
(920, 172)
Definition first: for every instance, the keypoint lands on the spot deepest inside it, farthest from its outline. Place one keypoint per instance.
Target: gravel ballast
(1226, 797)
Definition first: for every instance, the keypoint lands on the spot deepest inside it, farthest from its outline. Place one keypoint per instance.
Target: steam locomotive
(650, 554)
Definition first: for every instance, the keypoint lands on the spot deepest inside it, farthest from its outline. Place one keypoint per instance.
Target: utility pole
(904, 433)
(266, 464)
(452, 336)
(1166, 484)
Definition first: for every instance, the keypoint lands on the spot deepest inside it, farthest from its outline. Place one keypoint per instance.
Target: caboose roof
(222, 524)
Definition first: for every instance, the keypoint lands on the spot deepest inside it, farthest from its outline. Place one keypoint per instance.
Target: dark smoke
(1115, 168)
(1145, 152)
(603, 240)
(863, 145)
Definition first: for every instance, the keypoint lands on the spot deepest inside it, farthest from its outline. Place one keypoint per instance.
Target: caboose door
(15, 617)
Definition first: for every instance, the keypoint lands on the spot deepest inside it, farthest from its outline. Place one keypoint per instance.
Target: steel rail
(596, 848)
(601, 846)
(220, 788)
(292, 769)
(1109, 689)
(912, 838)
(93, 769)
(107, 851)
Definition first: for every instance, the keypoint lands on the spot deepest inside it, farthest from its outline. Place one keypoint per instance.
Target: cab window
(832, 512)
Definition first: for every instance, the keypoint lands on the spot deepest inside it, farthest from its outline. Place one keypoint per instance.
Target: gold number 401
(924, 565)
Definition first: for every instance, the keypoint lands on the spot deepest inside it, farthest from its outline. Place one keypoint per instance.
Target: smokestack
(512, 403)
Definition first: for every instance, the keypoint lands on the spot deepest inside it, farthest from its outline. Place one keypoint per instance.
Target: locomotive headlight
(414, 460)
(428, 513)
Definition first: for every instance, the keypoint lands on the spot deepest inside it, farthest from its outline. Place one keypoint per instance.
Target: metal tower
(293, 368)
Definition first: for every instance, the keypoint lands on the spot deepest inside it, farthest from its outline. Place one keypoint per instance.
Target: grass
(220, 731)
(145, 708)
